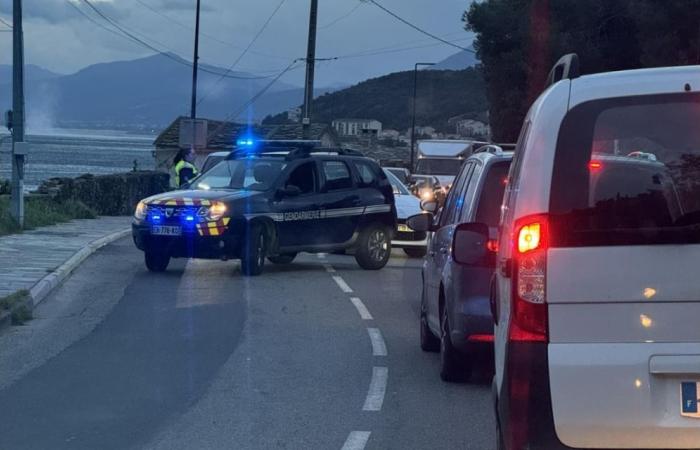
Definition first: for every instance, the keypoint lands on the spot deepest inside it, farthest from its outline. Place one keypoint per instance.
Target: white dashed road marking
(356, 440)
(378, 345)
(361, 308)
(377, 389)
(320, 255)
(342, 284)
(329, 268)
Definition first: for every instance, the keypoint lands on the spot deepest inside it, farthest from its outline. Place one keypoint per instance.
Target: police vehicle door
(299, 215)
(341, 204)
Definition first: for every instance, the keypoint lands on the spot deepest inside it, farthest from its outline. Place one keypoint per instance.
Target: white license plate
(690, 399)
(404, 228)
(161, 230)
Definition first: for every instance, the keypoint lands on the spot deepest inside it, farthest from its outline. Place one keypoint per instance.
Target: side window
(514, 175)
(469, 193)
(447, 214)
(462, 196)
(337, 175)
(368, 176)
(303, 177)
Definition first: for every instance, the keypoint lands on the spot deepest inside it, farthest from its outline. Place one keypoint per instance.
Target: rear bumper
(188, 245)
(472, 327)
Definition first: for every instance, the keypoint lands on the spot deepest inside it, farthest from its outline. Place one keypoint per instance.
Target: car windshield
(400, 174)
(431, 166)
(396, 184)
(250, 174)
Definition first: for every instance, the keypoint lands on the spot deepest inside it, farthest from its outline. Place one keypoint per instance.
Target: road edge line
(46, 285)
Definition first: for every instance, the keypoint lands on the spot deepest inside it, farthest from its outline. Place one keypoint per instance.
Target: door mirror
(430, 206)
(289, 191)
(470, 245)
(421, 222)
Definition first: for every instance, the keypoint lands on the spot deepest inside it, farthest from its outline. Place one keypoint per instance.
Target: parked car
(403, 174)
(455, 311)
(596, 297)
(272, 201)
(412, 242)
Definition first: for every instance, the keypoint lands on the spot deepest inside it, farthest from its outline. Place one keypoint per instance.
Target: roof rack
(489, 148)
(304, 152)
(567, 68)
(643, 155)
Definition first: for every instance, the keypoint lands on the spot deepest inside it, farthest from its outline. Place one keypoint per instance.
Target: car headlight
(217, 211)
(141, 211)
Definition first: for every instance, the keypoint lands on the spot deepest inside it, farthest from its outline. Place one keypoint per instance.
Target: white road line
(320, 255)
(356, 440)
(377, 389)
(361, 308)
(329, 268)
(342, 284)
(378, 345)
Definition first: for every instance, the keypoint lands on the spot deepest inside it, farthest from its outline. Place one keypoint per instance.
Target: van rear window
(627, 172)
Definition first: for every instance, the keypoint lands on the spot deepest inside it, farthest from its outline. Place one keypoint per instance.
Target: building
(423, 132)
(471, 125)
(392, 135)
(222, 136)
(357, 127)
(294, 115)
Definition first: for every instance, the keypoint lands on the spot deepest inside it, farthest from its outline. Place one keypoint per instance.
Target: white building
(294, 115)
(357, 127)
(390, 134)
(472, 128)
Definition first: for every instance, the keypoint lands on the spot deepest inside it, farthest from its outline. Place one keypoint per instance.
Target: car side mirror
(289, 191)
(421, 222)
(430, 206)
(471, 246)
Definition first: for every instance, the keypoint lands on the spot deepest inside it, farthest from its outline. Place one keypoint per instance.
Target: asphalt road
(318, 354)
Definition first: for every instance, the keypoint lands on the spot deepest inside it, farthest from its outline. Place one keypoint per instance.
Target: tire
(156, 261)
(374, 247)
(428, 341)
(282, 259)
(254, 252)
(415, 252)
(453, 367)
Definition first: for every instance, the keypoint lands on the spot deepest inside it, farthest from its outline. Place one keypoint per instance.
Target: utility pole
(18, 146)
(195, 64)
(413, 123)
(310, 68)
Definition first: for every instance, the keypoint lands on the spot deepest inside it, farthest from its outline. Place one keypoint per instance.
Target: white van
(597, 295)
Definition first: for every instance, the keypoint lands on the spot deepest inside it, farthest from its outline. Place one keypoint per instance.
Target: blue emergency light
(245, 142)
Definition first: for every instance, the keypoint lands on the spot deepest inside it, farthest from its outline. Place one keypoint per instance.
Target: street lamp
(413, 126)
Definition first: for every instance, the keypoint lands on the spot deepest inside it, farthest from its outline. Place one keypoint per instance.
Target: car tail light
(595, 165)
(529, 311)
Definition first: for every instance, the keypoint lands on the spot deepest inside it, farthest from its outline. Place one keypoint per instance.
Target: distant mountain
(458, 61)
(151, 92)
(442, 94)
(31, 73)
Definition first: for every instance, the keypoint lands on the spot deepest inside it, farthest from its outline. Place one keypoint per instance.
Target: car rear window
(627, 172)
(489, 208)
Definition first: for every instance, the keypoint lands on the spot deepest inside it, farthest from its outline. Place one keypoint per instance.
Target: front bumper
(191, 244)
(408, 238)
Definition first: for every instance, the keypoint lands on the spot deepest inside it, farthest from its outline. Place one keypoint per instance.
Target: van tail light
(595, 165)
(529, 309)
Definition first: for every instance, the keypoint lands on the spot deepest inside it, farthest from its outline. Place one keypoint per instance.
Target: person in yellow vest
(185, 170)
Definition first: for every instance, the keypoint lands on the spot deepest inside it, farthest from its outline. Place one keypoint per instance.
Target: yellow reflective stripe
(206, 203)
(171, 203)
(226, 220)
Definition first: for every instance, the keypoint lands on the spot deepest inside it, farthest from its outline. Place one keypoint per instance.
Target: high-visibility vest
(183, 165)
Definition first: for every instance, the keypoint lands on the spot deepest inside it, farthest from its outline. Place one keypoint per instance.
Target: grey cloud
(57, 11)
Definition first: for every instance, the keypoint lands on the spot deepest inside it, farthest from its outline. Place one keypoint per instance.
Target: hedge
(108, 195)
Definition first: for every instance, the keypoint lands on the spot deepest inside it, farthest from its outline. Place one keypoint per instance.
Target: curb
(46, 285)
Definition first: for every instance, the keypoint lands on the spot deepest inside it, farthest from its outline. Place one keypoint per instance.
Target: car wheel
(373, 248)
(156, 261)
(285, 258)
(253, 258)
(428, 341)
(453, 367)
(415, 252)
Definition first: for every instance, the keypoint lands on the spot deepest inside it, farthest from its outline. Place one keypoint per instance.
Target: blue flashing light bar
(189, 218)
(245, 142)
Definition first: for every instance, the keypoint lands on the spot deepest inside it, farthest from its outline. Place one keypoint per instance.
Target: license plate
(690, 398)
(161, 230)
(404, 228)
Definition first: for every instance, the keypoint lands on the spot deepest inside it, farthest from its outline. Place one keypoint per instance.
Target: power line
(254, 98)
(209, 36)
(178, 59)
(390, 51)
(245, 51)
(417, 28)
(343, 17)
(9, 25)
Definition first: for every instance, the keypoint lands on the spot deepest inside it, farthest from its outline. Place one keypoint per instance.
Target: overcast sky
(58, 38)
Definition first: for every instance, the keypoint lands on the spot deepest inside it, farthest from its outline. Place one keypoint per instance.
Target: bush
(108, 195)
(5, 187)
(42, 211)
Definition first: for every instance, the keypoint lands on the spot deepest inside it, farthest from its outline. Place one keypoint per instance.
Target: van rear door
(623, 274)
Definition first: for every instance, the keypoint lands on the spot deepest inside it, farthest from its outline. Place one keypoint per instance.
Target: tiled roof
(223, 135)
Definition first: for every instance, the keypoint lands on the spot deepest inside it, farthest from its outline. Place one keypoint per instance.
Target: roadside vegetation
(17, 304)
(41, 211)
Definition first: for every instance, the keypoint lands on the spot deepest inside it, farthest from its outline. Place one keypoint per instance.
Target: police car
(273, 200)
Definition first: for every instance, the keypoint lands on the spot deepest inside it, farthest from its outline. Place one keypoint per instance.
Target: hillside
(442, 94)
(458, 61)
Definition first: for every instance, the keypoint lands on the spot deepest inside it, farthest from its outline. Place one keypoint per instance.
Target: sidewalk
(32, 256)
